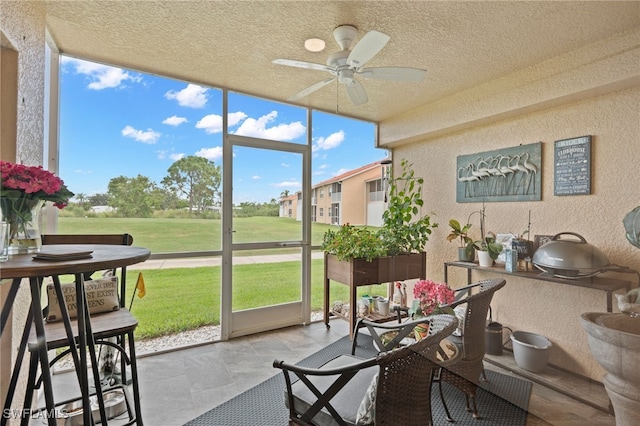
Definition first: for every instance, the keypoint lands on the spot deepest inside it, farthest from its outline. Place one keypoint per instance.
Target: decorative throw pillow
(102, 296)
(366, 413)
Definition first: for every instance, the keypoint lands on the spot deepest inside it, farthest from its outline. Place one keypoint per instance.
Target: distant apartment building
(289, 206)
(355, 197)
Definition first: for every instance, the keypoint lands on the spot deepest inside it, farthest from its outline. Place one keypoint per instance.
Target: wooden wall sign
(572, 166)
(509, 174)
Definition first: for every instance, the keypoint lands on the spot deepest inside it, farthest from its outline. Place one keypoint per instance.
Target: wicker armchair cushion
(366, 413)
(346, 401)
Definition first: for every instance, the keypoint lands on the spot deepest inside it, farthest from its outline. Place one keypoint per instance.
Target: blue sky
(118, 122)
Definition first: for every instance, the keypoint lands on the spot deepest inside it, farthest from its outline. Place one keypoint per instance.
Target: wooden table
(23, 266)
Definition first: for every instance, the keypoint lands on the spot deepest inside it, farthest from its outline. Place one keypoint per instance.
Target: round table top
(103, 256)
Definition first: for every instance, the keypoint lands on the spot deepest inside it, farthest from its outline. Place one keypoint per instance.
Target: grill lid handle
(580, 237)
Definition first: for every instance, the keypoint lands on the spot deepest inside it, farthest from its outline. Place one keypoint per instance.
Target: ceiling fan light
(314, 45)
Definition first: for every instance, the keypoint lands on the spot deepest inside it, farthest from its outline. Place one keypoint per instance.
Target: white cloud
(281, 132)
(192, 96)
(321, 170)
(174, 120)
(256, 177)
(176, 156)
(236, 117)
(101, 76)
(212, 154)
(148, 137)
(288, 184)
(285, 165)
(212, 123)
(332, 141)
(341, 171)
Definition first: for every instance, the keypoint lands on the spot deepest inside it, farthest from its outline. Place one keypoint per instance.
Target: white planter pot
(484, 259)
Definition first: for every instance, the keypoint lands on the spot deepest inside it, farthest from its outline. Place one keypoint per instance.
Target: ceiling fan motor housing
(344, 35)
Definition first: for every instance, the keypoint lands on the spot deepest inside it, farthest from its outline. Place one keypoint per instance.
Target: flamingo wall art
(509, 174)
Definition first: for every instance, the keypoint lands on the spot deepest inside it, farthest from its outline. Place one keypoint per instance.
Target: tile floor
(178, 386)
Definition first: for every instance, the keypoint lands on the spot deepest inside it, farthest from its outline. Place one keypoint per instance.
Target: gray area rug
(503, 400)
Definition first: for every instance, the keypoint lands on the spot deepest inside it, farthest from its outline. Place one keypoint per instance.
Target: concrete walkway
(199, 262)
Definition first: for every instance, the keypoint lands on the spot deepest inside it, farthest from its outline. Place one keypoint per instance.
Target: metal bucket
(493, 338)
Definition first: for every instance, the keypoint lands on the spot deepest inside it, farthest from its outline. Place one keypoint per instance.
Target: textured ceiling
(230, 44)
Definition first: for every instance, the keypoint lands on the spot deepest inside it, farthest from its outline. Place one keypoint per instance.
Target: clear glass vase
(23, 216)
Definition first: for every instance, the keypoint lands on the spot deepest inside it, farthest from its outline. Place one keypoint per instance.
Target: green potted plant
(395, 252)
(401, 238)
(404, 230)
(350, 242)
(488, 248)
(466, 250)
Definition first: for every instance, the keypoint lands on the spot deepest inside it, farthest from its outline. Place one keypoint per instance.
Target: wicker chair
(393, 383)
(466, 372)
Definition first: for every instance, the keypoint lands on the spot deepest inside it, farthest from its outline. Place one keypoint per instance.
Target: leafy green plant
(350, 242)
(487, 240)
(403, 229)
(460, 232)
(490, 245)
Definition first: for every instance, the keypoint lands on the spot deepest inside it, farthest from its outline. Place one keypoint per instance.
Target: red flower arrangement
(24, 188)
(20, 182)
(432, 298)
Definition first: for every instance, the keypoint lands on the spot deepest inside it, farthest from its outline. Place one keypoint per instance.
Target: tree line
(192, 183)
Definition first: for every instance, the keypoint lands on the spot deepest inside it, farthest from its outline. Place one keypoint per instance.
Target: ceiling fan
(346, 64)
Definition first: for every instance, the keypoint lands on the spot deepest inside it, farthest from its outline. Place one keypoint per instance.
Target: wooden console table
(608, 285)
(359, 272)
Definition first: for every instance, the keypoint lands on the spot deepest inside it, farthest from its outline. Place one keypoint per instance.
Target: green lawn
(167, 235)
(185, 298)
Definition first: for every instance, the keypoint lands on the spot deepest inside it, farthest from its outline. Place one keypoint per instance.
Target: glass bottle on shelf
(397, 295)
(403, 293)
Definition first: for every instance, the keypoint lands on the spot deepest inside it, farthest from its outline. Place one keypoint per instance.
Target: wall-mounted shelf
(608, 285)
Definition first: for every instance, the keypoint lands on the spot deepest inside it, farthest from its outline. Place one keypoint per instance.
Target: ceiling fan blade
(302, 64)
(356, 93)
(311, 89)
(394, 73)
(367, 48)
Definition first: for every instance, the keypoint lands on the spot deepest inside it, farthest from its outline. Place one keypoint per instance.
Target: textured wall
(546, 308)
(592, 91)
(23, 25)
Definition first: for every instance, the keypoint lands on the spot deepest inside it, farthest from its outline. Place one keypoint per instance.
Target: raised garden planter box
(358, 272)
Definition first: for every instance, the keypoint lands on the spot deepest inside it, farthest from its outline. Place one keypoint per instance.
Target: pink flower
(432, 295)
(22, 183)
